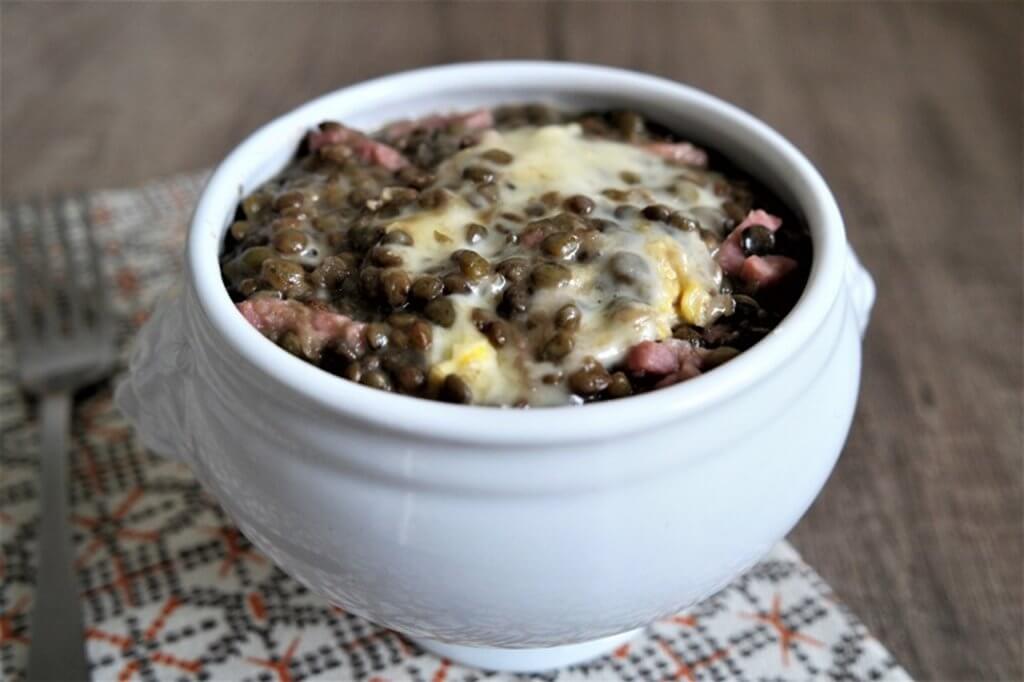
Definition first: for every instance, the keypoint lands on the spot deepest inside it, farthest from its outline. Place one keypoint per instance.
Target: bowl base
(526, 660)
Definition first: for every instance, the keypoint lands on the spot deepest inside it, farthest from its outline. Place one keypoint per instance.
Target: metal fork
(59, 349)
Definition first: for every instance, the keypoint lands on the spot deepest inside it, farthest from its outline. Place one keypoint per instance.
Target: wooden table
(912, 111)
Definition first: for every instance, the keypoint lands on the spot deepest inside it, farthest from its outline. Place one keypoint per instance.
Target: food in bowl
(515, 256)
(426, 520)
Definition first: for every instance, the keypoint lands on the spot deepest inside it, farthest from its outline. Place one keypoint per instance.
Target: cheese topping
(634, 278)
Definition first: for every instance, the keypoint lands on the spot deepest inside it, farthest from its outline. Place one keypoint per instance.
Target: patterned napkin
(173, 591)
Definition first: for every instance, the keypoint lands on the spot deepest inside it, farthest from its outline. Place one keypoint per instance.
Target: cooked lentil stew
(520, 256)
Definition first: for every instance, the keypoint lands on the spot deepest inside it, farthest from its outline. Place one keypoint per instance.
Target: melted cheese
(682, 284)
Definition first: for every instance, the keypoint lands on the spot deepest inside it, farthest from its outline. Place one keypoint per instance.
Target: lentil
(568, 317)
(590, 379)
(384, 257)
(395, 285)
(475, 232)
(420, 335)
(375, 378)
(456, 390)
(498, 156)
(497, 332)
(440, 311)
(400, 237)
(657, 212)
(514, 269)
(580, 204)
(558, 346)
(284, 276)
(456, 284)
(473, 265)
(757, 240)
(515, 301)
(619, 386)
(562, 245)
(550, 275)
(410, 378)
(427, 288)
(376, 336)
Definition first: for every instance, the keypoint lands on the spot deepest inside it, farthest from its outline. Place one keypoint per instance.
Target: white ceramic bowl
(516, 539)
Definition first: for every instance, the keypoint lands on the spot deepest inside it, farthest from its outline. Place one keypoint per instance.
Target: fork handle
(57, 647)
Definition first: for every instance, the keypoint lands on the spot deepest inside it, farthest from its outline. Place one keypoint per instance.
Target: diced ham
(365, 148)
(316, 329)
(689, 359)
(478, 119)
(380, 154)
(679, 152)
(730, 255)
(651, 357)
(759, 217)
(734, 263)
(764, 271)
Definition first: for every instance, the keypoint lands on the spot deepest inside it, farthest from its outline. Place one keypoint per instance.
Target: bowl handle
(861, 289)
(152, 396)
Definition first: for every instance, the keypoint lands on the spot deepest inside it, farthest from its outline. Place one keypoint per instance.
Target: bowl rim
(551, 425)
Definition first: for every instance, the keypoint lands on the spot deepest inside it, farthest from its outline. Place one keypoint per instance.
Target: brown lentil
(384, 257)
(290, 241)
(550, 275)
(420, 335)
(456, 390)
(497, 332)
(682, 222)
(375, 378)
(515, 300)
(289, 200)
(757, 240)
(498, 156)
(475, 232)
(472, 264)
(410, 378)
(562, 245)
(568, 317)
(284, 276)
(395, 285)
(456, 284)
(478, 174)
(440, 311)
(657, 212)
(619, 386)
(376, 335)
(427, 288)
(399, 237)
(580, 204)
(331, 273)
(488, 191)
(514, 269)
(239, 229)
(590, 379)
(558, 346)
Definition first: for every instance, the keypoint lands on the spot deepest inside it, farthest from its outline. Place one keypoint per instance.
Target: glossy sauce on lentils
(520, 256)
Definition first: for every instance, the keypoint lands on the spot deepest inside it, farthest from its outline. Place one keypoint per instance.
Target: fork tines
(58, 284)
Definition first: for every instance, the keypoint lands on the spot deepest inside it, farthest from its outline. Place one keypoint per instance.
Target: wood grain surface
(912, 111)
